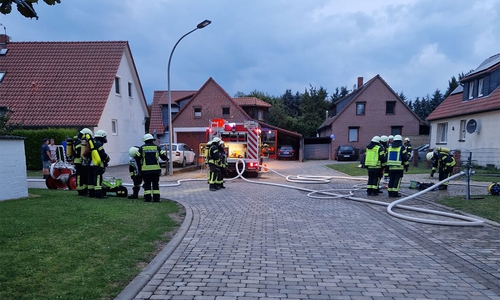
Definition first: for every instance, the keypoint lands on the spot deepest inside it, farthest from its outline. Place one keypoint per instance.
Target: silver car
(182, 154)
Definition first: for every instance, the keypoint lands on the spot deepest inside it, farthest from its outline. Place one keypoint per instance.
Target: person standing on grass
(47, 158)
(53, 149)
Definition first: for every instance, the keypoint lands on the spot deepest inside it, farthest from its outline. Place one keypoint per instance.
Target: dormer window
(480, 87)
(2, 75)
(471, 89)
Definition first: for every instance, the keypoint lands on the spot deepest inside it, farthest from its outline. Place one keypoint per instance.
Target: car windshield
(346, 148)
(286, 148)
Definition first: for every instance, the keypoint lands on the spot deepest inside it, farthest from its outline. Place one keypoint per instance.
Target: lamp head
(203, 24)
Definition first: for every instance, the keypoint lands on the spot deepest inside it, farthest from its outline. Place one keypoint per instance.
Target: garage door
(317, 151)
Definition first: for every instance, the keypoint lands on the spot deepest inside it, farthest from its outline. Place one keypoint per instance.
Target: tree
(313, 106)
(24, 7)
(452, 85)
(4, 119)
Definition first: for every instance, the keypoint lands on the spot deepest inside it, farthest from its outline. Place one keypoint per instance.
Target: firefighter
(81, 161)
(214, 158)
(98, 164)
(374, 158)
(206, 153)
(384, 142)
(397, 161)
(147, 159)
(135, 175)
(408, 146)
(222, 164)
(442, 160)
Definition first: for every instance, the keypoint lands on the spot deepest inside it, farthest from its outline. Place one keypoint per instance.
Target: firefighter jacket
(147, 158)
(443, 159)
(375, 156)
(133, 168)
(409, 149)
(215, 155)
(397, 159)
(104, 157)
(78, 147)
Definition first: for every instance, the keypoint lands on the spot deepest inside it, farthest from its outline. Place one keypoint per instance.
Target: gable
(59, 84)
(210, 99)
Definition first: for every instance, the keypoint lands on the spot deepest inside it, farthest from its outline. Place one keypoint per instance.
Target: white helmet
(133, 151)
(384, 138)
(391, 137)
(407, 139)
(86, 131)
(398, 137)
(216, 140)
(376, 139)
(147, 137)
(429, 156)
(100, 133)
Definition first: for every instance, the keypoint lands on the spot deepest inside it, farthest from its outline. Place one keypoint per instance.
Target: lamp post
(170, 162)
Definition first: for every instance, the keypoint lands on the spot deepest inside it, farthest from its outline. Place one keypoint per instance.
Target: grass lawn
(488, 207)
(57, 245)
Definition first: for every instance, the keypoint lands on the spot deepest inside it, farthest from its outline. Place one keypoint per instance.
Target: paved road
(258, 241)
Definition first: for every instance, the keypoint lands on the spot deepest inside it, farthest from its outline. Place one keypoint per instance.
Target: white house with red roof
(467, 120)
(75, 85)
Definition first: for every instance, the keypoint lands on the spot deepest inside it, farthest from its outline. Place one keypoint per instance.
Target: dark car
(346, 152)
(286, 151)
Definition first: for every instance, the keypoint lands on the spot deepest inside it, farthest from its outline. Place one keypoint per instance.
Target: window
(114, 127)
(390, 107)
(463, 130)
(225, 111)
(360, 108)
(130, 89)
(480, 87)
(2, 74)
(353, 134)
(395, 130)
(197, 112)
(471, 89)
(442, 133)
(260, 115)
(117, 85)
(3, 51)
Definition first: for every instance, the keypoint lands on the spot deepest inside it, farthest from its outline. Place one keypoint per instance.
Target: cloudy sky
(274, 45)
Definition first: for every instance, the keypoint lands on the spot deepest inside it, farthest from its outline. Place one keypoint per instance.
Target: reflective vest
(149, 157)
(372, 159)
(395, 157)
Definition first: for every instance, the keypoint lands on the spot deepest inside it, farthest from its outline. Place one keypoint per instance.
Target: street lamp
(170, 162)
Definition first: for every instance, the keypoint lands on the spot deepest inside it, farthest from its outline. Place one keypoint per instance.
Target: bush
(33, 143)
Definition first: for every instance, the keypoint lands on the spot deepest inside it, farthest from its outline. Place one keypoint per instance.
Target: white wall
(130, 113)
(484, 143)
(13, 177)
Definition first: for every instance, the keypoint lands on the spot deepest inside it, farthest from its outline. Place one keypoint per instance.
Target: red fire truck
(242, 143)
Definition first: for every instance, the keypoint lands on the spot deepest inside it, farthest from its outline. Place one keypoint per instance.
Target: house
(193, 110)
(467, 119)
(373, 108)
(75, 85)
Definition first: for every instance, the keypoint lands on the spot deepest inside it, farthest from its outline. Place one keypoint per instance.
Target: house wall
(486, 136)
(375, 121)
(13, 178)
(129, 112)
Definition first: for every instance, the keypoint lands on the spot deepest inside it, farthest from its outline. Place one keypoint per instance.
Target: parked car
(286, 151)
(422, 152)
(181, 154)
(346, 152)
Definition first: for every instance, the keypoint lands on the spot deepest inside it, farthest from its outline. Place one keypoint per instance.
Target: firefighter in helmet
(134, 172)
(397, 162)
(408, 146)
(98, 164)
(443, 161)
(214, 162)
(147, 160)
(81, 160)
(374, 158)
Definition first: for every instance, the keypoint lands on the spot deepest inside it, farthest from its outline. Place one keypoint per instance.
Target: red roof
(59, 83)
(251, 101)
(453, 106)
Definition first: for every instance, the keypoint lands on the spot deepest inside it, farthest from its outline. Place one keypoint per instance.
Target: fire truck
(241, 143)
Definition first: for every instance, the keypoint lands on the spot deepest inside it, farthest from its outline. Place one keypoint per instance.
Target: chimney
(360, 82)
(4, 39)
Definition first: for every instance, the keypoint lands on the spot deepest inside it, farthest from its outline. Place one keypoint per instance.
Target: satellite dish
(471, 126)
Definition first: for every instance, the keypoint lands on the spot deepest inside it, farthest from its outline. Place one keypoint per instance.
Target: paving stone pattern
(252, 241)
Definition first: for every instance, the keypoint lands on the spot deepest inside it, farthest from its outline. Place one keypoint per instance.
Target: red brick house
(193, 110)
(373, 108)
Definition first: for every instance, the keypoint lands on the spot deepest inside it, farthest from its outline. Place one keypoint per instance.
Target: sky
(271, 46)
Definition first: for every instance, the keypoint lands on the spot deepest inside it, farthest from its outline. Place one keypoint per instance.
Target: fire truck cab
(242, 144)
